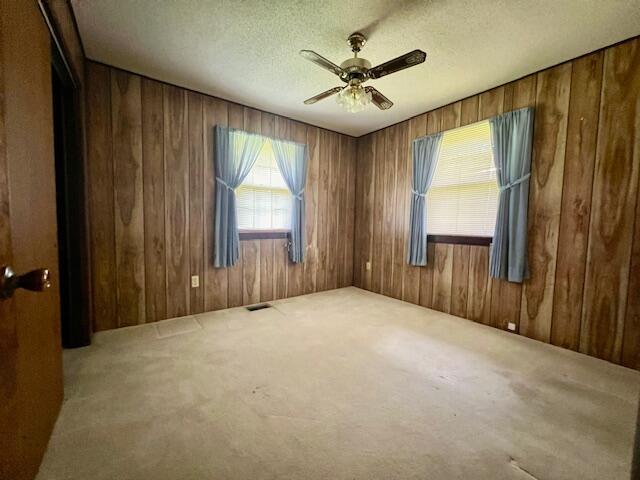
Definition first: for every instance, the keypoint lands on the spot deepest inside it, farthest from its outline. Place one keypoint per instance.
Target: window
(263, 199)
(463, 198)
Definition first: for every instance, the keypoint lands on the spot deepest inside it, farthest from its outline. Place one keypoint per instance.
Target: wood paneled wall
(151, 187)
(584, 224)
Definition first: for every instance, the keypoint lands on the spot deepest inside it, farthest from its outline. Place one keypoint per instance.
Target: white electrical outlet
(511, 326)
(368, 266)
(195, 281)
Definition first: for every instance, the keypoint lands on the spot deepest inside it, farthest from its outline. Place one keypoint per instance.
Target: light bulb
(354, 98)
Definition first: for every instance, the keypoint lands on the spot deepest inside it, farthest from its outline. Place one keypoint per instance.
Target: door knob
(35, 280)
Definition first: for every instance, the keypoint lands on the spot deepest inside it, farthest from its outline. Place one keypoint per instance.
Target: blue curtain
(292, 162)
(425, 159)
(235, 153)
(511, 138)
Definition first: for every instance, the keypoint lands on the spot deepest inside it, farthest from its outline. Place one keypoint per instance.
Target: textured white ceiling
(247, 51)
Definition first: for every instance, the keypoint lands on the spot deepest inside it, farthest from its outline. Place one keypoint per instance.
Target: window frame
(263, 234)
(460, 240)
(473, 240)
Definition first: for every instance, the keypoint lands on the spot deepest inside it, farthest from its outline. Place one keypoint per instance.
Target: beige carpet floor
(343, 384)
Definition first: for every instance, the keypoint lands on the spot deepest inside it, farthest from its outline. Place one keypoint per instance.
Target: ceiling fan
(355, 71)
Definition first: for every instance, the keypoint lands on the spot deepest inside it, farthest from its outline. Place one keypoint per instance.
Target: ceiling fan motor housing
(355, 69)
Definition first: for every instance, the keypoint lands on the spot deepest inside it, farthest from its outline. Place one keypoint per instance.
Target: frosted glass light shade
(353, 98)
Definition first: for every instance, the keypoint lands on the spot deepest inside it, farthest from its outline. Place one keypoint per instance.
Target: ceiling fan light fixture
(353, 98)
(356, 71)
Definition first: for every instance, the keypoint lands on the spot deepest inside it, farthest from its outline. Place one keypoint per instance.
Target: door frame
(71, 207)
(71, 170)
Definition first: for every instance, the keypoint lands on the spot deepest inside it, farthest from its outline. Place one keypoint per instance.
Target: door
(30, 352)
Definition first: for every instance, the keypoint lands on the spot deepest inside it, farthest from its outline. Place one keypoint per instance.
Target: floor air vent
(259, 306)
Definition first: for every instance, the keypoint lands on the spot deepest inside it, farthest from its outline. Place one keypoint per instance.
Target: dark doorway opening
(70, 193)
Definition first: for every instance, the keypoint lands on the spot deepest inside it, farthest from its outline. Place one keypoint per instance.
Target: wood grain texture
(506, 300)
(425, 297)
(267, 247)
(283, 129)
(250, 272)
(490, 103)
(399, 232)
(460, 279)
(311, 193)
(631, 339)
(165, 137)
(442, 277)
(545, 200)
(252, 120)
(266, 270)
(582, 129)
(364, 214)
(216, 285)
(358, 247)
(31, 386)
(234, 274)
(523, 93)
(101, 204)
(613, 205)
(411, 274)
(451, 116)
(9, 344)
(250, 254)
(176, 179)
(343, 213)
(443, 262)
(64, 23)
(469, 110)
(573, 128)
(333, 207)
(126, 126)
(195, 133)
(584, 220)
(389, 211)
(377, 250)
(153, 183)
(295, 271)
(583, 275)
(280, 262)
(479, 291)
(434, 125)
(323, 210)
(349, 167)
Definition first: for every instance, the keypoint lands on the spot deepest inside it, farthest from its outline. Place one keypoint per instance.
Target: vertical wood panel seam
(593, 180)
(203, 263)
(626, 300)
(144, 233)
(187, 200)
(562, 194)
(113, 199)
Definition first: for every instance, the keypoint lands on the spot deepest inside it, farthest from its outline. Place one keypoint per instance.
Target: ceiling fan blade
(403, 61)
(321, 61)
(322, 96)
(378, 99)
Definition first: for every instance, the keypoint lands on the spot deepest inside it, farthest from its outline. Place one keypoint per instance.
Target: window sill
(264, 234)
(460, 240)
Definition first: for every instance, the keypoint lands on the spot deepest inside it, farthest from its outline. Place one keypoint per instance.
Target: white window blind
(263, 199)
(463, 198)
